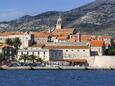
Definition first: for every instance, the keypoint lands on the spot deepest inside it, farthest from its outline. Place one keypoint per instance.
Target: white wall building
(71, 52)
(97, 48)
(27, 39)
(44, 54)
(7, 52)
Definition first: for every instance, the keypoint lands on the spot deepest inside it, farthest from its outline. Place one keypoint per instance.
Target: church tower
(59, 23)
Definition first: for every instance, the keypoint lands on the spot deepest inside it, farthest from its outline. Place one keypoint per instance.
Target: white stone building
(97, 48)
(58, 34)
(44, 54)
(70, 50)
(27, 39)
(7, 51)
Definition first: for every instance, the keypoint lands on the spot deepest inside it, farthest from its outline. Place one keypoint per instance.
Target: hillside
(97, 17)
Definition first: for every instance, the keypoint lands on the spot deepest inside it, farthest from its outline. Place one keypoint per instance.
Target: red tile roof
(85, 38)
(66, 31)
(76, 60)
(11, 33)
(103, 37)
(39, 45)
(3, 46)
(66, 47)
(73, 39)
(97, 43)
(40, 34)
(62, 37)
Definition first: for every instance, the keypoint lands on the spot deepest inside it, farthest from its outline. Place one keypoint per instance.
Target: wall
(41, 40)
(56, 55)
(104, 61)
(75, 53)
(97, 51)
(90, 60)
(26, 39)
(101, 61)
(44, 54)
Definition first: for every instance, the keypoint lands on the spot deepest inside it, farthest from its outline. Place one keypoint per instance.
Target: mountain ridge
(97, 17)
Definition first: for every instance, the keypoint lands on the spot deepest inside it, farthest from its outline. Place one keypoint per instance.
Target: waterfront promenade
(55, 68)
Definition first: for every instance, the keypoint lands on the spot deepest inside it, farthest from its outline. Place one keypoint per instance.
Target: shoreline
(55, 68)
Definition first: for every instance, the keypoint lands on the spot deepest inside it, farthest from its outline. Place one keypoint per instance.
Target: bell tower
(59, 23)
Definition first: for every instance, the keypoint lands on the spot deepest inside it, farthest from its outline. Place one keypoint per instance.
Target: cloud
(10, 14)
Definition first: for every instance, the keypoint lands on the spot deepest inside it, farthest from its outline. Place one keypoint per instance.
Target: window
(44, 52)
(38, 53)
(10, 52)
(27, 53)
(59, 53)
(21, 53)
(10, 48)
(72, 50)
(55, 54)
(5, 52)
(5, 56)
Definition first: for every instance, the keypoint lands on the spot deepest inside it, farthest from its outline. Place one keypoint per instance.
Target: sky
(12, 9)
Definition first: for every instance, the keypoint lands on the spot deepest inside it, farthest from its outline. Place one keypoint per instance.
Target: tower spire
(59, 23)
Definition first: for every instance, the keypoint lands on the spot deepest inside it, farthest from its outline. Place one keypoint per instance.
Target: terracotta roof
(62, 31)
(3, 46)
(39, 45)
(85, 38)
(40, 34)
(73, 39)
(62, 37)
(65, 29)
(97, 43)
(76, 60)
(56, 32)
(66, 47)
(103, 37)
(11, 33)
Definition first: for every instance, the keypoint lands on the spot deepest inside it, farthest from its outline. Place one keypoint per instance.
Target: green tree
(24, 57)
(17, 43)
(1, 57)
(32, 58)
(9, 41)
(111, 52)
(39, 60)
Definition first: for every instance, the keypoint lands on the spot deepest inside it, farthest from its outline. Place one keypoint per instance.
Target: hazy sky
(12, 9)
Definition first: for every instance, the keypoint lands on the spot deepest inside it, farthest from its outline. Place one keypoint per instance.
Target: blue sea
(57, 78)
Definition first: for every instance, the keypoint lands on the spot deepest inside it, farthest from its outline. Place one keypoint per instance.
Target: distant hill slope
(97, 17)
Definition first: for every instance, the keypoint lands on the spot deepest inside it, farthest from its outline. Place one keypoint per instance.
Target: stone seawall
(101, 61)
(104, 61)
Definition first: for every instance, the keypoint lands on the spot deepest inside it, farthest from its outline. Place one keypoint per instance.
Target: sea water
(57, 78)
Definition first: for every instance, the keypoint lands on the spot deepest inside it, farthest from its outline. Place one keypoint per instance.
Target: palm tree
(24, 57)
(32, 58)
(17, 43)
(1, 57)
(9, 41)
(39, 60)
